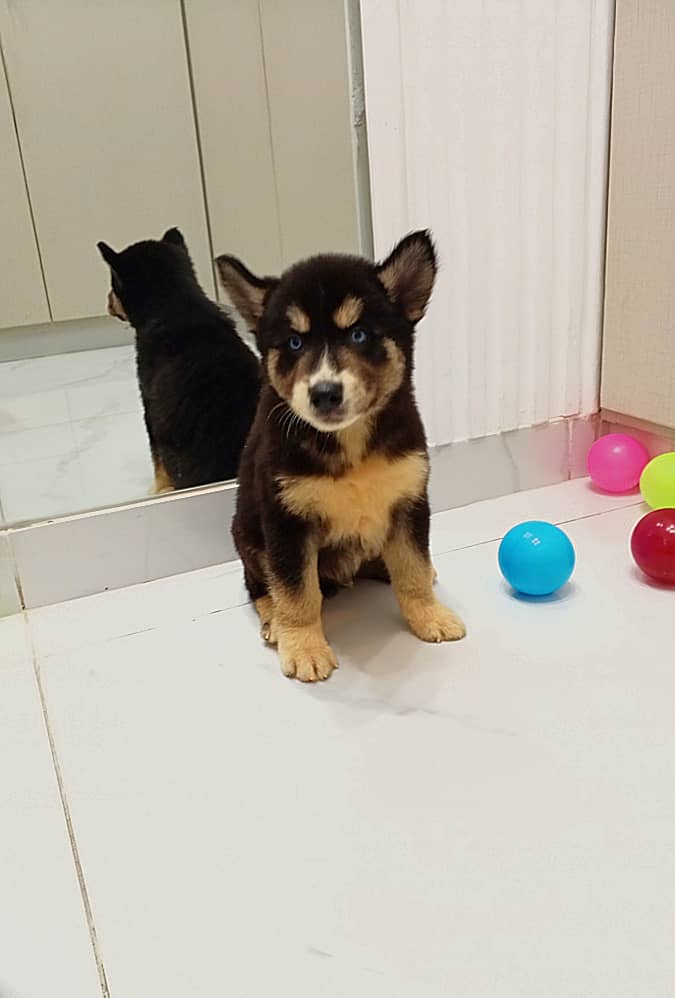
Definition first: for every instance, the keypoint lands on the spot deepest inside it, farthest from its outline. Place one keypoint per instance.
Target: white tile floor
(494, 818)
(72, 435)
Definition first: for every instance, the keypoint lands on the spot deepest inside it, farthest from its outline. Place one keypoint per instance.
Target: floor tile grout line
(89, 915)
(436, 553)
(573, 519)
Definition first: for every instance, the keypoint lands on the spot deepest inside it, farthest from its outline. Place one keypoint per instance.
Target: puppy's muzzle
(326, 398)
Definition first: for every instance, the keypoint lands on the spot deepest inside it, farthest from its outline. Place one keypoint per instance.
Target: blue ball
(536, 558)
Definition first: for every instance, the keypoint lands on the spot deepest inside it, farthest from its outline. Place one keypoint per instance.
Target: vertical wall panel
(274, 105)
(102, 99)
(228, 69)
(639, 356)
(306, 61)
(22, 293)
(488, 122)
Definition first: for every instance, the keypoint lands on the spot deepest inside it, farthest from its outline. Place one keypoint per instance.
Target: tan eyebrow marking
(349, 312)
(298, 319)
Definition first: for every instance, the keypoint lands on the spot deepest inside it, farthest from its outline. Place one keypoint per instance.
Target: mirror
(184, 129)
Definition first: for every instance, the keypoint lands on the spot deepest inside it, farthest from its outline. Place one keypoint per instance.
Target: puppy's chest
(358, 504)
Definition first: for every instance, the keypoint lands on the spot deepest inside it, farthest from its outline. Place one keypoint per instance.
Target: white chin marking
(332, 427)
(325, 426)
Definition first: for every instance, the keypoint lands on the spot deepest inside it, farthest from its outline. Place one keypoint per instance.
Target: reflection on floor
(71, 434)
(489, 819)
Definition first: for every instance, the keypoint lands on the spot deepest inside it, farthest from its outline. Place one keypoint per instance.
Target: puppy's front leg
(406, 555)
(294, 586)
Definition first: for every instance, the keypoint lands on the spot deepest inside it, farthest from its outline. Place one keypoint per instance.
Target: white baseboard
(657, 439)
(503, 463)
(89, 553)
(25, 342)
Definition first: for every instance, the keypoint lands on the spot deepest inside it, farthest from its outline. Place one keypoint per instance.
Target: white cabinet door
(638, 371)
(22, 292)
(308, 78)
(231, 96)
(103, 105)
(273, 96)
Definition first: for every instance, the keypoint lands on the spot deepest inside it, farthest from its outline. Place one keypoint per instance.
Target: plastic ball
(653, 545)
(657, 483)
(616, 461)
(536, 558)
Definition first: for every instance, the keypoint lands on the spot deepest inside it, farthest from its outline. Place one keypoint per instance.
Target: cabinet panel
(306, 45)
(230, 92)
(22, 293)
(103, 105)
(274, 107)
(638, 373)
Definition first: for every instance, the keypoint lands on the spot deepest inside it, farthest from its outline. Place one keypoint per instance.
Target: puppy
(198, 381)
(333, 478)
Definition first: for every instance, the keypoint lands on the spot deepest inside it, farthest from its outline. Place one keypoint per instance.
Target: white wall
(488, 122)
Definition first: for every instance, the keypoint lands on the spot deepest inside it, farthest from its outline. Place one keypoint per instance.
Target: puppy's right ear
(247, 292)
(108, 254)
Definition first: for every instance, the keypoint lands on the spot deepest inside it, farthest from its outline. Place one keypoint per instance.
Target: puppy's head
(145, 275)
(336, 332)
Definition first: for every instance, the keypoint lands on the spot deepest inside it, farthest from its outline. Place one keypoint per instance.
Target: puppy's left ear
(409, 272)
(174, 236)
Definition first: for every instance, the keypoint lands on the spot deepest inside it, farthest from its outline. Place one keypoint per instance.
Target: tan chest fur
(357, 504)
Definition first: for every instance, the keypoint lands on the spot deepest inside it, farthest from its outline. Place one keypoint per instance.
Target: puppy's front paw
(305, 654)
(433, 622)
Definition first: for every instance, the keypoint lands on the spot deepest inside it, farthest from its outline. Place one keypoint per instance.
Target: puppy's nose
(326, 396)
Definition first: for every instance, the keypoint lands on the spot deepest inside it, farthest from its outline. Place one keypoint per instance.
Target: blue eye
(358, 336)
(295, 343)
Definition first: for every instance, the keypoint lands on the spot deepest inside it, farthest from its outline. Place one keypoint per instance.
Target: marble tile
(33, 410)
(25, 446)
(72, 435)
(41, 489)
(108, 398)
(45, 947)
(66, 370)
(492, 818)
(74, 466)
(115, 461)
(39, 473)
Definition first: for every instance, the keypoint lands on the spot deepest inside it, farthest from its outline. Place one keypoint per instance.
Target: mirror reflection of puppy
(333, 478)
(198, 381)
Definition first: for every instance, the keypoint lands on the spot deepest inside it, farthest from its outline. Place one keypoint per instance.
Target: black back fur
(198, 381)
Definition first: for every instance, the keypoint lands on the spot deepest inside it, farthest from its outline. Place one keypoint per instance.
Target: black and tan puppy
(333, 478)
(198, 381)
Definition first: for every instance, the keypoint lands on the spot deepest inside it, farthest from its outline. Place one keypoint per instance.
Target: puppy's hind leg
(268, 627)
(162, 481)
(262, 601)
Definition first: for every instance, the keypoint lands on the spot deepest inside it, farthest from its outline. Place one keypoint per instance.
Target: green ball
(657, 483)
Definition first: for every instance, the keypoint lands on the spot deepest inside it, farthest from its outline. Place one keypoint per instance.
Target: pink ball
(616, 461)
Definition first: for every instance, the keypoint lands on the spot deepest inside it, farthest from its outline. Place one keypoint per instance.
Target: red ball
(653, 545)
